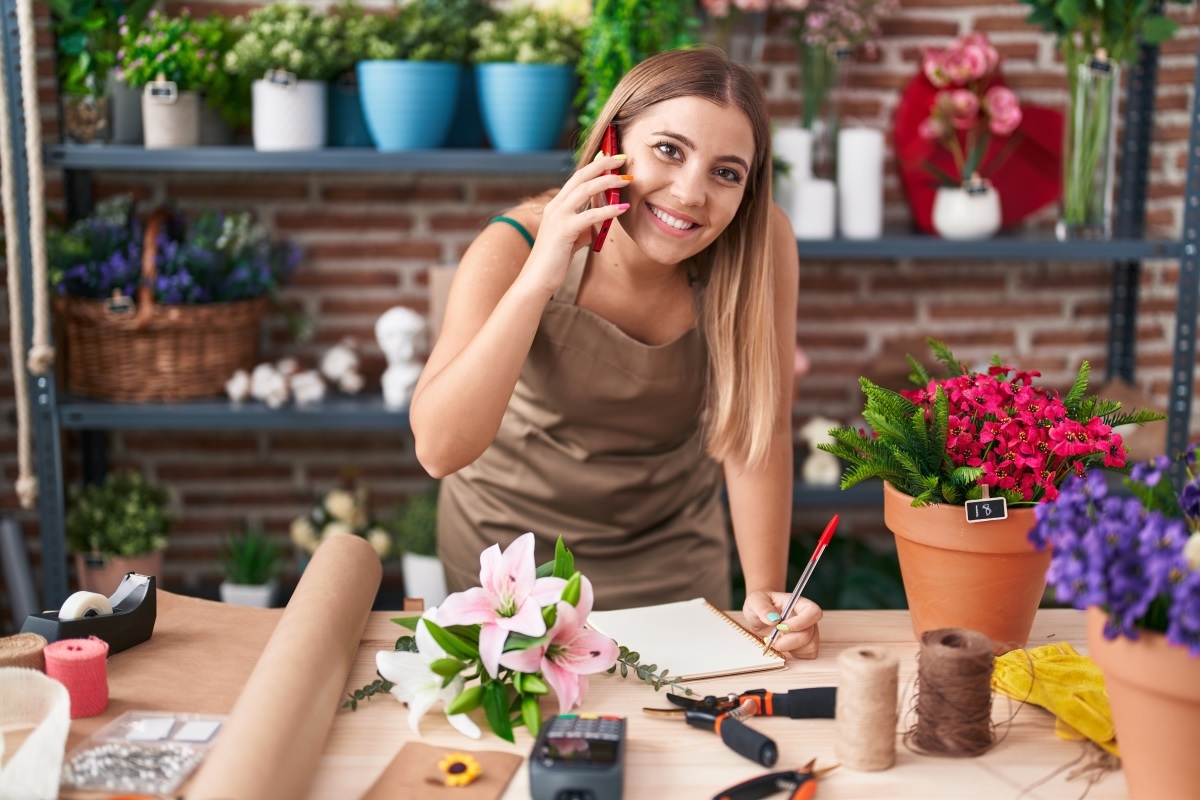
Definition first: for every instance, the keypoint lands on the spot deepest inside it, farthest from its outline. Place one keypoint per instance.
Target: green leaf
(549, 615)
(495, 706)
(406, 644)
(564, 561)
(451, 643)
(571, 591)
(467, 700)
(531, 714)
(1079, 388)
(409, 623)
(534, 684)
(1156, 29)
(521, 641)
(447, 667)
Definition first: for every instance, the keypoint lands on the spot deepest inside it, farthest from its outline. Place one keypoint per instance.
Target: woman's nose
(688, 187)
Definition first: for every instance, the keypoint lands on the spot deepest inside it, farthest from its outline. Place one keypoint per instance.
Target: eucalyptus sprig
(405, 644)
(646, 673)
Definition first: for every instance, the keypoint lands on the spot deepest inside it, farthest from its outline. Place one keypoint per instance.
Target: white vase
(256, 595)
(966, 212)
(289, 116)
(424, 577)
(170, 119)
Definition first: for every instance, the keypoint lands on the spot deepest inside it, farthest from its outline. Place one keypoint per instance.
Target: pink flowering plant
(951, 437)
(970, 108)
(503, 645)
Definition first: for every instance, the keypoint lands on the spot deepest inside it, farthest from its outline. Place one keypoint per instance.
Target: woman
(601, 395)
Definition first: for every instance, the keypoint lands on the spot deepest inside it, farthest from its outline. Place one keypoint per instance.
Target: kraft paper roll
(82, 666)
(273, 740)
(85, 604)
(29, 699)
(23, 650)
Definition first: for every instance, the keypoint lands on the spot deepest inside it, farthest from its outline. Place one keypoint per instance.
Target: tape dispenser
(123, 620)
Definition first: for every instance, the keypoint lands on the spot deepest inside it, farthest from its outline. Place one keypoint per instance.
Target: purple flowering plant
(1136, 554)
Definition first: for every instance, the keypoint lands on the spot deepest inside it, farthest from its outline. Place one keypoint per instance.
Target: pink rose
(1003, 110)
(931, 129)
(963, 107)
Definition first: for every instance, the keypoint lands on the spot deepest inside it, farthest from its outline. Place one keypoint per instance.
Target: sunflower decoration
(460, 769)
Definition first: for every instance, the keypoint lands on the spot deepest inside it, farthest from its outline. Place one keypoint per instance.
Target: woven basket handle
(145, 292)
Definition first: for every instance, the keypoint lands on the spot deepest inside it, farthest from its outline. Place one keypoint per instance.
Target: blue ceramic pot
(408, 105)
(524, 105)
(466, 129)
(346, 124)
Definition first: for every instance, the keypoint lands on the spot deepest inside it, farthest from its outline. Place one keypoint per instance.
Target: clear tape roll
(85, 604)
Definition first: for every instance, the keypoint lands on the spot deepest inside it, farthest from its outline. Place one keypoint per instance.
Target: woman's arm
(760, 499)
(496, 301)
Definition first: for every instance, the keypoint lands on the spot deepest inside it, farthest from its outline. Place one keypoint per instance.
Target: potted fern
(251, 561)
(976, 447)
(415, 528)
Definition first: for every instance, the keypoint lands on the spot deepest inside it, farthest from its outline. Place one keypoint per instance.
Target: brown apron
(601, 444)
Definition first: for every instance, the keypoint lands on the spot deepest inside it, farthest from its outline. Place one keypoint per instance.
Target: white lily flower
(418, 686)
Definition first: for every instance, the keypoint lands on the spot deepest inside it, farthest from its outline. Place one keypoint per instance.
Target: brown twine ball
(954, 694)
(23, 650)
(868, 681)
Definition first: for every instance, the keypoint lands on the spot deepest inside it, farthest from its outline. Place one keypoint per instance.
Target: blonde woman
(602, 396)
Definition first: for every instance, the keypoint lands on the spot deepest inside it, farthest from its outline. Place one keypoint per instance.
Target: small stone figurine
(399, 333)
(820, 468)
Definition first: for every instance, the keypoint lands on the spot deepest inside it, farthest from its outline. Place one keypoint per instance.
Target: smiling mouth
(670, 221)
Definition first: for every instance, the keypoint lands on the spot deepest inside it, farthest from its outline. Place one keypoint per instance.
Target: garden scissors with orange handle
(800, 784)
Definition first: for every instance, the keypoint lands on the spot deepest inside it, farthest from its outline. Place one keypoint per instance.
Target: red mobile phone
(609, 147)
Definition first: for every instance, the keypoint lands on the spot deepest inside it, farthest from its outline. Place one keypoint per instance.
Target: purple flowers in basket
(214, 258)
(1135, 553)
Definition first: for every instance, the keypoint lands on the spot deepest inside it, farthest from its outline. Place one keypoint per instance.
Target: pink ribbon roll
(82, 666)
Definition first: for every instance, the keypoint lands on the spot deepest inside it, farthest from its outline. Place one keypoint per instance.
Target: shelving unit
(54, 413)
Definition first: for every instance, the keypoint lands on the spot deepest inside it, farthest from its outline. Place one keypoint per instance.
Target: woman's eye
(733, 176)
(667, 149)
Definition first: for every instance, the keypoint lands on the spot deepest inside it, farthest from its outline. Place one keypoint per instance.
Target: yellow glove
(1068, 685)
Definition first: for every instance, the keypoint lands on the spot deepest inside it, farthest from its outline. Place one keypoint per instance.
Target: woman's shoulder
(528, 213)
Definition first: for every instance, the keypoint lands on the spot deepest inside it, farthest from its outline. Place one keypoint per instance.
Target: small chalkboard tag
(120, 303)
(161, 91)
(987, 509)
(280, 77)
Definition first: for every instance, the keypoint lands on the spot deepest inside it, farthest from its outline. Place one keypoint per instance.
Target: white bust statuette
(399, 333)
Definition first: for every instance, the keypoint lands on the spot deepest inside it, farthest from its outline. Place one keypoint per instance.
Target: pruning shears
(725, 716)
(800, 784)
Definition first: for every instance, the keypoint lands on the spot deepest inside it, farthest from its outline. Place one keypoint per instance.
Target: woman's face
(690, 160)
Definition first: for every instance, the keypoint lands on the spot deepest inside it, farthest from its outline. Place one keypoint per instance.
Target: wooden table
(666, 759)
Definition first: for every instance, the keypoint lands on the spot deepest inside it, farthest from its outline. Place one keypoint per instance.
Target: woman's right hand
(568, 220)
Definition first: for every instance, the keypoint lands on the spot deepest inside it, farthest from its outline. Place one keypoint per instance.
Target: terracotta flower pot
(984, 576)
(103, 574)
(1154, 690)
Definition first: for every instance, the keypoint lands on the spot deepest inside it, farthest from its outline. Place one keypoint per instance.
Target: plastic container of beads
(142, 752)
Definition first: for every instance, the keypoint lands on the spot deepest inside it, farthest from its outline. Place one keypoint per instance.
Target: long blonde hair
(737, 311)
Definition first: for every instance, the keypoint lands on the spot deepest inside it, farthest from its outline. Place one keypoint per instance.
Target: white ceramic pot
(966, 213)
(289, 117)
(171, 120)
(424, 577)
(257, 595)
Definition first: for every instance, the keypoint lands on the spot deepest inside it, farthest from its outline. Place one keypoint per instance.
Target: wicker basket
(148, 352)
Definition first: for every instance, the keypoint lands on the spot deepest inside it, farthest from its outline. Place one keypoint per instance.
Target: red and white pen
(808, 571)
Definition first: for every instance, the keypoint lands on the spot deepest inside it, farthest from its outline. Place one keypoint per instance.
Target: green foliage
(251, 558)
(353, 30)
(124, 516)
(87, 33)
(285, 36)
(1084, 27)
(646, 673)
(429, 30)
(526, 35)
(170, 48)
(380, 686)
(623, 33)
(415, 524)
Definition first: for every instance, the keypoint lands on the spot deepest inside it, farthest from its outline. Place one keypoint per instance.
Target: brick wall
(369, 239)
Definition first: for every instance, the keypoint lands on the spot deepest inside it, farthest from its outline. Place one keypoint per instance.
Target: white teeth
(678, 224)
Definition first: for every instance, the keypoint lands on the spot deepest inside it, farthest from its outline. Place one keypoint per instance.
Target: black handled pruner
(800, 784)
(724, 716)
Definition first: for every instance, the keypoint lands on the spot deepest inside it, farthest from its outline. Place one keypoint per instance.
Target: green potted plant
(945, 447)
(352, 30)
(525, 69)
(289, 52)
(171, 66)
(415, 527)
(115, 527)
(251, 562)
(411, 82)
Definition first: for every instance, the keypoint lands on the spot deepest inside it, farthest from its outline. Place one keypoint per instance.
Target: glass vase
(1089, 150)
(823, 74)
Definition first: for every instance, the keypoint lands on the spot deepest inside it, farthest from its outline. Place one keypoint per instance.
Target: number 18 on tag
(987, 509)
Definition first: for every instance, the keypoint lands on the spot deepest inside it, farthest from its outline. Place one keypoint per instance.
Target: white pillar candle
(813, 210)
(860, 183)
(794, 146)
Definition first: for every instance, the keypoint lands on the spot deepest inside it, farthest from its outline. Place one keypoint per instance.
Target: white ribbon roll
(28, 699)
(85, 604)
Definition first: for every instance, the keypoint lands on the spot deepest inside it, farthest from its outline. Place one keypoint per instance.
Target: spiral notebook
(693, 639)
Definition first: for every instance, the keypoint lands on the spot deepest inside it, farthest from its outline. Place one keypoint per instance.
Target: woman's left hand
(800, 638)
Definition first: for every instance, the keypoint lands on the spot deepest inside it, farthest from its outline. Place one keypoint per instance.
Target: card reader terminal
(579, 757)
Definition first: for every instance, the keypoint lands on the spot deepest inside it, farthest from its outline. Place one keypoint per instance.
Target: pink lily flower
(509, 598)
(570, 653)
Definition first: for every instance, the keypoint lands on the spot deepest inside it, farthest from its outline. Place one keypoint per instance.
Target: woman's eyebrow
(692, 146)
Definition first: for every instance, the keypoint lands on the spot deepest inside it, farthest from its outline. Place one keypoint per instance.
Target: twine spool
(868, 681)
(81, 665)
(954, 694)
(23, 650)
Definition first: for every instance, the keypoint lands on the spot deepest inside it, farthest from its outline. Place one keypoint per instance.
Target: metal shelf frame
(52, 414)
